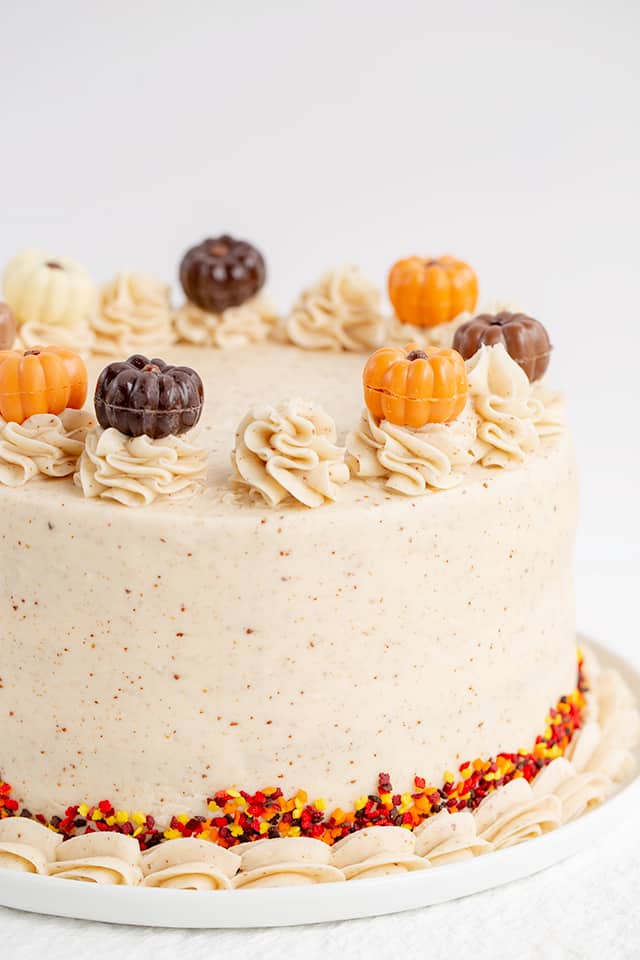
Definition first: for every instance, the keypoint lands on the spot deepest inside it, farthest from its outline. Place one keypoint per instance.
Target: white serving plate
(290, 906)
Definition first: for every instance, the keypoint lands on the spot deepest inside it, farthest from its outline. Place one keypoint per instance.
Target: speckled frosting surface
(154, 656)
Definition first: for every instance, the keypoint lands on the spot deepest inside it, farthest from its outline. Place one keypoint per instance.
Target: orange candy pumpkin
(426, 292)
(411, 388)
(41, 380)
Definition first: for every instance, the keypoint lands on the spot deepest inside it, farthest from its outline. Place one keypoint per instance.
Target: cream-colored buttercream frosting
(250, 323)
(513, 814)
(135, 471)
(339, 312)
(190, 864)
(604, 744)
(289, 451)
(412, 461)
(577, 792)
(79, 338)
(506, 405)
(284, 862)
(26, 845)
(201, 644)
(105, 858)
(377, 852)
(42, 444)
(133, 313)
(449, 838)
(397, 334)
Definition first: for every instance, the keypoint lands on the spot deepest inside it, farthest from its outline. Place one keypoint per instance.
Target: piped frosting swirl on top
(251, 322)
(134, 312)
(513, 415)
(135, 471)
(79, 338)
(43, 444)
(339, 312)
(289, 451)
(411, 461)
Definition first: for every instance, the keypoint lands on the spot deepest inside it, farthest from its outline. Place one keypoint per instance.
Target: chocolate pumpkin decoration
(222, 272)
(426, 292)
(140, 396)
(48, 290)
(525, 339)
(7, 327)
(41, 380)
(411, 388)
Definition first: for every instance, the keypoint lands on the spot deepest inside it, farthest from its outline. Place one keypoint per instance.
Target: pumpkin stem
(53, 265)
(151, 368)
(31, 353)
(417, 355)
(219, 249)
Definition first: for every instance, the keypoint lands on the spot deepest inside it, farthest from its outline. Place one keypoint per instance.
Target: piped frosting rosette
(26, 845)
(289, 451)
(251, 322)
(507, 408)
(449, 838)
(190, 864)
(103, 857)
(42, 425)
(577, 792)
(285, 862)
(136, 471)
(134, 312)
(513, 814)
(411, 461)
(441, 336)
(605, 742)
(377, 852)
(43, 444)
(142, 449)
(339, 312)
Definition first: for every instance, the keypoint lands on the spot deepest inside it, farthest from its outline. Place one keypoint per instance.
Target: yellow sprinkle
(320, 804)
(466, 773)
(361, 802)
(137, 831)
(235, 830)
(172, 834)
(264, 827)
(213, 806)
(297, 813)
(294, 832)
(122, 816)
(138, 817)
(448, 776)
(233, 793)
(110, 821)
(97, 815)
(386, 798)
(83, 809)
(182, 818)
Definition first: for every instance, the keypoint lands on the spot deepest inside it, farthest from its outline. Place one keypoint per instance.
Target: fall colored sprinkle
(236, 816)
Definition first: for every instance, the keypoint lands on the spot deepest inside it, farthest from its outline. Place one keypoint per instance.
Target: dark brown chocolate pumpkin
(140, 396)
(222, 272)
(525, 339)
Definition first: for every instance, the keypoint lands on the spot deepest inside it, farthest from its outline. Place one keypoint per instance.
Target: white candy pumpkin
(48, 291)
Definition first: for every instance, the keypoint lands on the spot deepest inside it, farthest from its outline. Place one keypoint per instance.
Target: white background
(506, 133)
